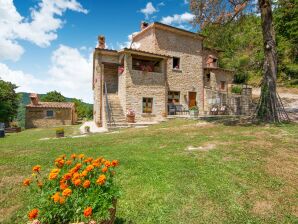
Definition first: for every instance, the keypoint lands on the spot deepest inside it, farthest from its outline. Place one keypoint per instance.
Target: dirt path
(289, 98)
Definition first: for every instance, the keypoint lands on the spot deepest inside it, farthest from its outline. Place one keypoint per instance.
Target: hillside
(26, 100)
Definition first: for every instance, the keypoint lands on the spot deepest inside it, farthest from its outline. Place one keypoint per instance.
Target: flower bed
(77, 190)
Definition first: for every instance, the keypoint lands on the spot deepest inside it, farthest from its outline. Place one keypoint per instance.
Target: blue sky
(47, 44)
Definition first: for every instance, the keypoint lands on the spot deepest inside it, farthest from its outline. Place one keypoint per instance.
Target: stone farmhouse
(164, 66)
(49, 114)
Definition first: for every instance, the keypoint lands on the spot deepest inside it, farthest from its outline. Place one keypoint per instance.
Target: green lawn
(250, 176)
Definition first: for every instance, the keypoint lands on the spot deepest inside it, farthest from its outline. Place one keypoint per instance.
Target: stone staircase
(118, 119)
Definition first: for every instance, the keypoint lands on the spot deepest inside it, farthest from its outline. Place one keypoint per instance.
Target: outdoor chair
(214, 110)
(222, 110)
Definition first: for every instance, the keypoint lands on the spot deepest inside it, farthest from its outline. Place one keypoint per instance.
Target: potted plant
(194, 111)
(130, 116)
(60, 132)
(87, 129)
(78, 189)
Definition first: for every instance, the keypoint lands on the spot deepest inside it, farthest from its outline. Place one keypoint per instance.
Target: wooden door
(192, 99)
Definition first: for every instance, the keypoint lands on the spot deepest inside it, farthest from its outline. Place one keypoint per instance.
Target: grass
(249, 177)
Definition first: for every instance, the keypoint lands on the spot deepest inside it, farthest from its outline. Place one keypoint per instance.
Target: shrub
(195, 108)
(77, 189)
(87, 129)
(60, 131)
(236, 89)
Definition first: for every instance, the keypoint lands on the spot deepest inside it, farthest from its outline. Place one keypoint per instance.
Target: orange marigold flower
(104, 169)
(68, 162)
(87, 212)
(86, 184)
(67, 176)
(53, 176)
(36, 168)
(115, 163)
(88, 160)
(59, 162)
(101, 179)
(63, 186)
(62, 200)
(96, 164)
(77, 182)
(107, 163)
(55, 170)
(84, 173)
(33, 214)
(39, 184)
(26, 182)
(73, 156)
(67, 192)
(56, 197)
(81, 156)
(89, 168)
(76, 175)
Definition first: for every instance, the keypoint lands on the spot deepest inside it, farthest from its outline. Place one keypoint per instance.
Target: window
(208, 77)
(173, 97)
(222, 85)
(147, 105)
(176, 63)
(50, 113)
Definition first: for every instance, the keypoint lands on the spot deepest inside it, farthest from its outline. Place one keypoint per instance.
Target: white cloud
(40, 28)
(149, 10)
(186, 2)
(178, 19)
(70, 73)
(128, 43)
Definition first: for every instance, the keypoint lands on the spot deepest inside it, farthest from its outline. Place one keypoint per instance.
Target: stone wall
(140, 84)
(111, 77)
(36, 117)
(189, 78)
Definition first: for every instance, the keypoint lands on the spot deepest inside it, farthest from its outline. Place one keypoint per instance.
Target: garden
(175, 172)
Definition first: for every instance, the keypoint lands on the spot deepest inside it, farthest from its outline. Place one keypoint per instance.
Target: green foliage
(286, 26)
(236, 89)
(9, 101)
(59, 130)
(53, 96)
(83, 110)
(242, 42)
(67, 205)
(194, 108)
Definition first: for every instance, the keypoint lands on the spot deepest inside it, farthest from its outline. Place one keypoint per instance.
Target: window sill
(177, 70)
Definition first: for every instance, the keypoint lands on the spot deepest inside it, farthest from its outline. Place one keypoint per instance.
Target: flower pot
(60, 135)
(194, 113)
(130, 119)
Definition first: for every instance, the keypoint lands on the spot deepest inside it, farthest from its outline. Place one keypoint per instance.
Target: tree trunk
(270, 108)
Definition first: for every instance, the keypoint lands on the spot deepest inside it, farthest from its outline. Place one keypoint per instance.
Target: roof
(62, 105)
(171, 28)
(144, 52)
(213, 49)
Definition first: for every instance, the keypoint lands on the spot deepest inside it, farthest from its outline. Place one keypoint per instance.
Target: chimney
(101, 42)
(34, 98)
(144, 25)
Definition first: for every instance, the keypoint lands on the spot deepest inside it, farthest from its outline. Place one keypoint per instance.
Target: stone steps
(118, 116)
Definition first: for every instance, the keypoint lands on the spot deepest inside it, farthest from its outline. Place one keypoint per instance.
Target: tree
(221, 12)
(53, 96)
(9, 101)
(84, 110)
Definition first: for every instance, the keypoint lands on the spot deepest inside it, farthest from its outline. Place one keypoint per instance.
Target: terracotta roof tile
(52, 105)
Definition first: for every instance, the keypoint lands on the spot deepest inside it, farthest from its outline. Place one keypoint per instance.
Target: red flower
(88, 212)
(33, 214)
